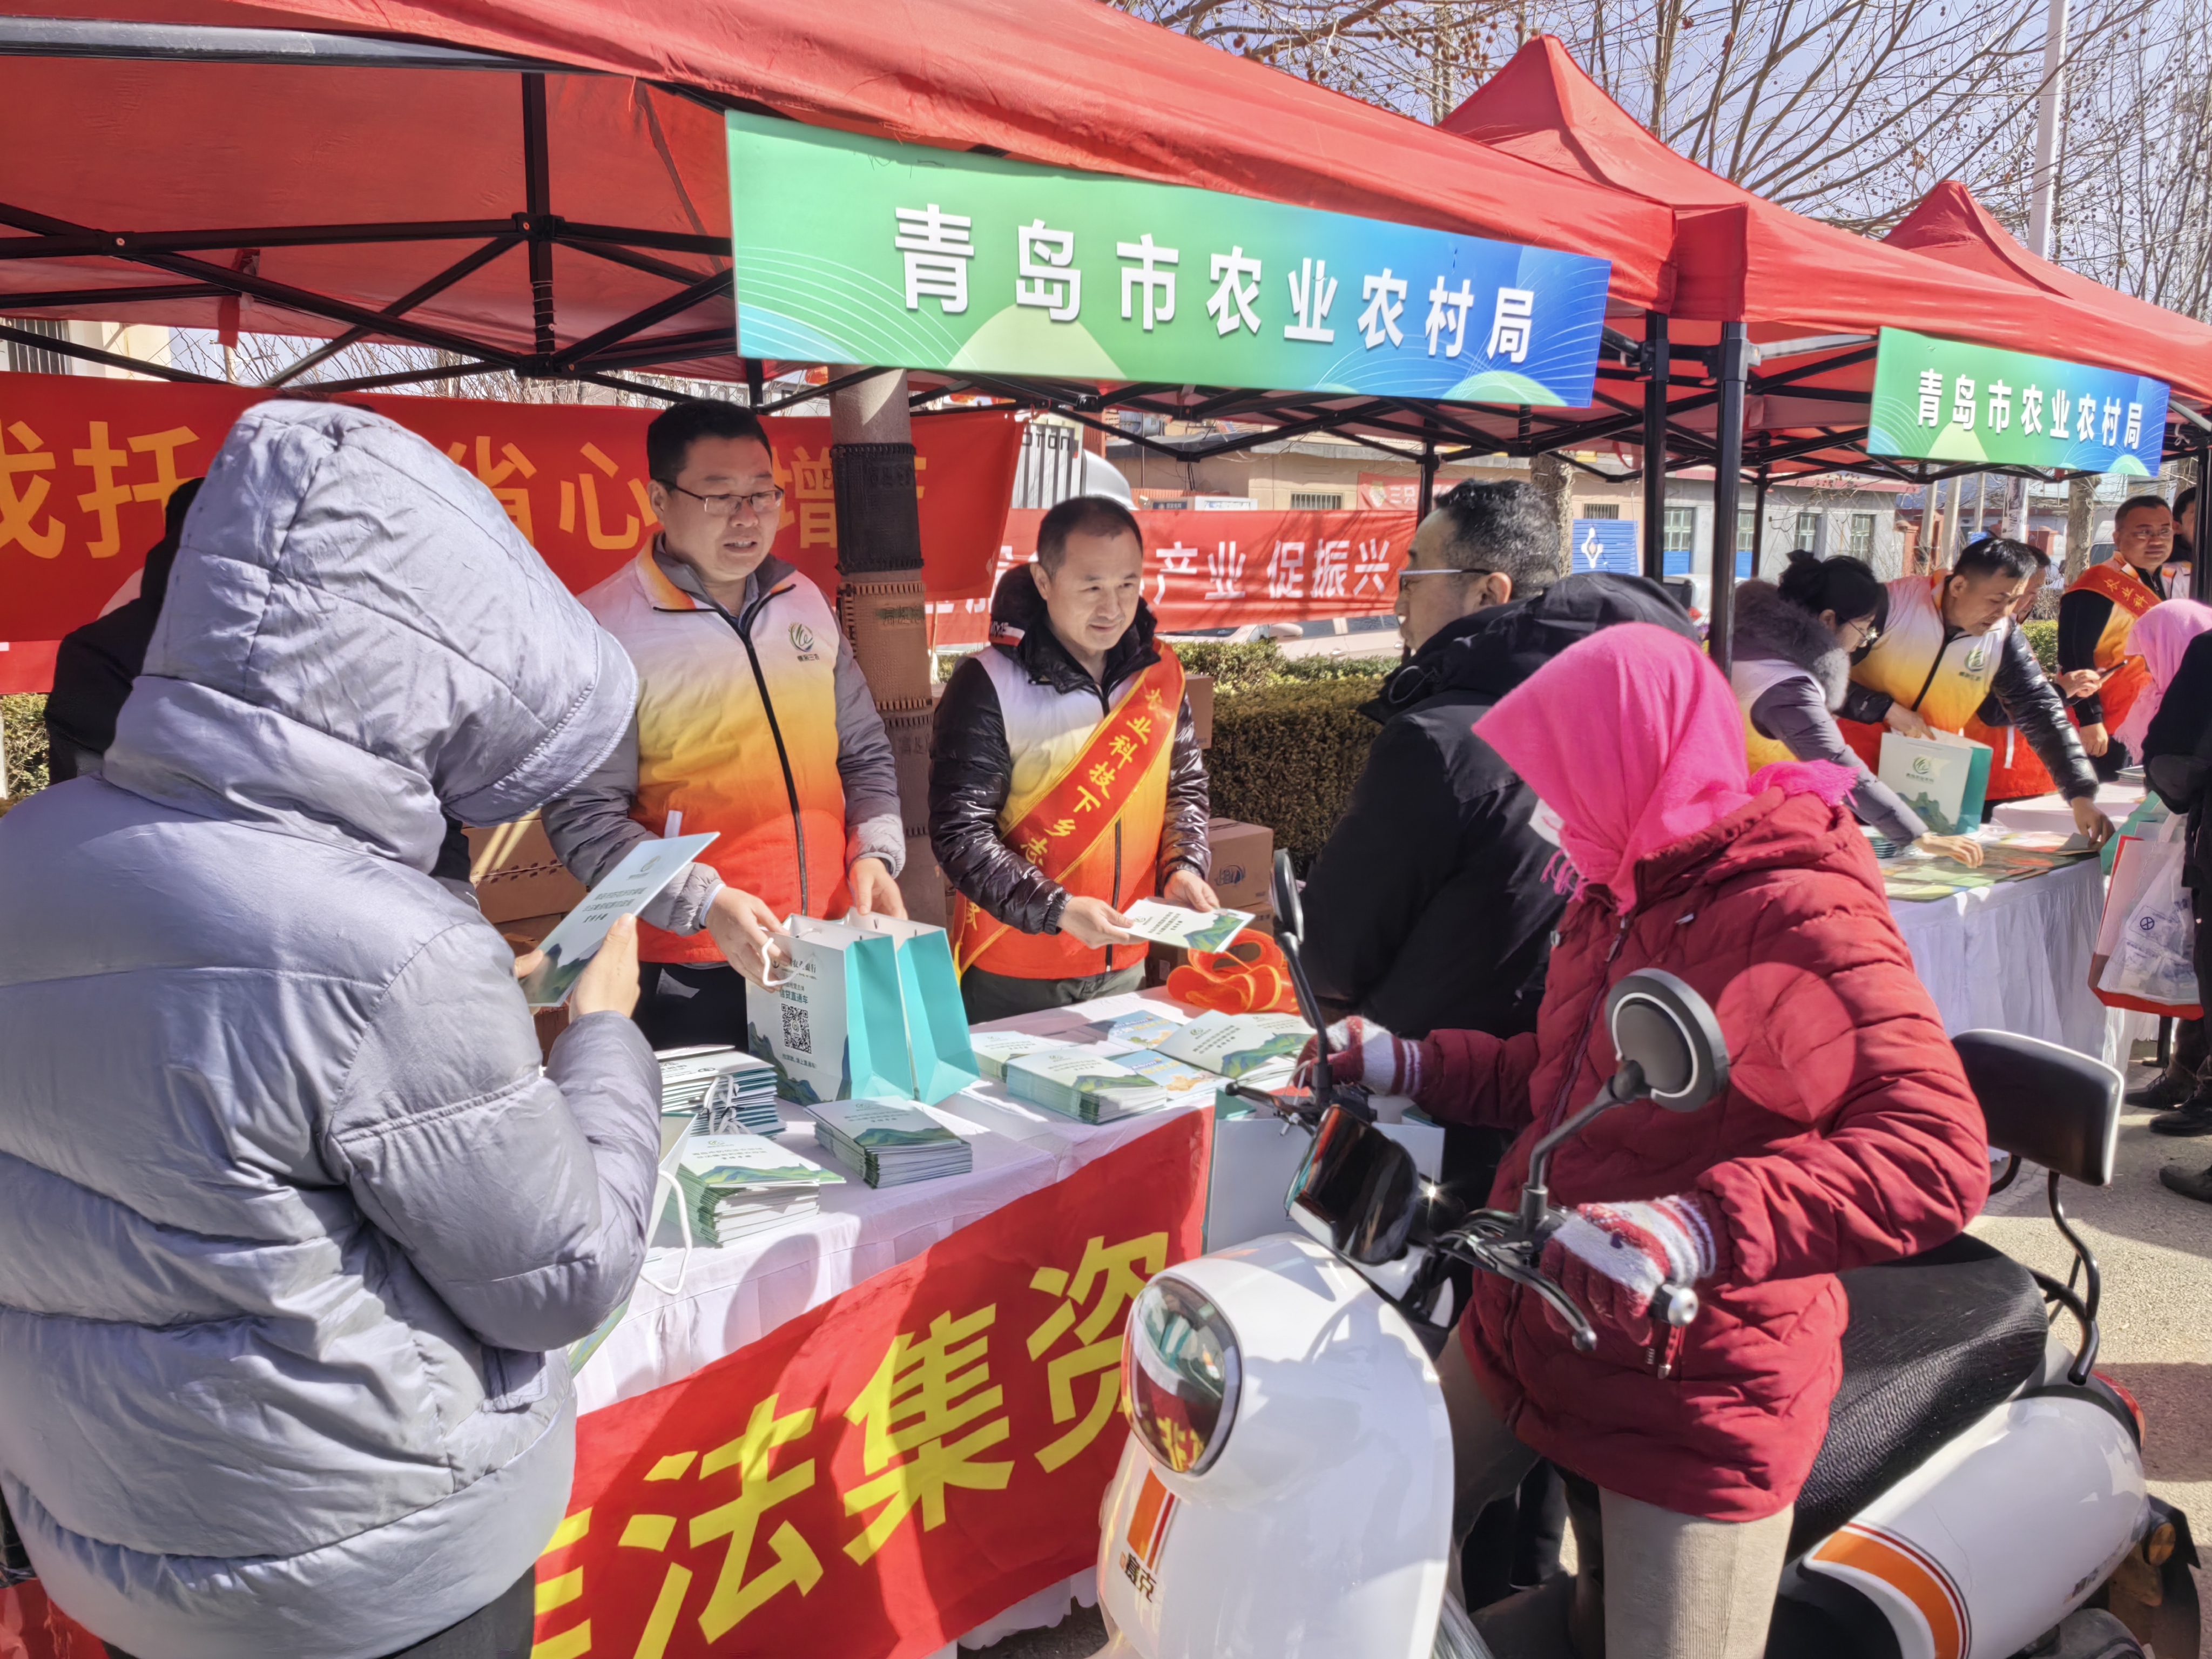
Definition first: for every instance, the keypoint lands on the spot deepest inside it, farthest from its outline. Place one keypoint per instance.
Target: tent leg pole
(1758, 524)
(537, 191)
(1654, 444)
(1728, 466)
(1428, 482)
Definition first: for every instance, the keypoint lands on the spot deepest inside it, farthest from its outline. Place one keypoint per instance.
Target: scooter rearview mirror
(1363, 1185)
(1667, 1029)
(1290, 909)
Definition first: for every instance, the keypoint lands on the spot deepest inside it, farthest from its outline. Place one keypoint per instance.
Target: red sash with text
(1116, 781)
(2130, 596)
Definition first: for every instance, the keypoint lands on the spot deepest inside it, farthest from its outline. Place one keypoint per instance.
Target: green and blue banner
(1940, 400)
(853, 250)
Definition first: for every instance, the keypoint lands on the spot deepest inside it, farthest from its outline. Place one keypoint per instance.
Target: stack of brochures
(1255, 1048)
(742, 1098)
(1086, 1082)
(995, 1049)
(736, 1185)
(890, 1142)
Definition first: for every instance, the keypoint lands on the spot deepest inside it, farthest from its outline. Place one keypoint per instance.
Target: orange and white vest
(1085, 805)
(738, 732)
(1944, 684)
(2120, 582)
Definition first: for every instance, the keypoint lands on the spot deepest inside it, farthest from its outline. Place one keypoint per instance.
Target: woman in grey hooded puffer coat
(289, 1216)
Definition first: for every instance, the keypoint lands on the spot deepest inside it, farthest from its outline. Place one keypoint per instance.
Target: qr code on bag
(797, 1034)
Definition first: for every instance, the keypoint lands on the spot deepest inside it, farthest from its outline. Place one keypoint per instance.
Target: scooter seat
(1936, 1341)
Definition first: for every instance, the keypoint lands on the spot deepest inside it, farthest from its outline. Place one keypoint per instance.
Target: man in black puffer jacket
(1428, 910)
(1066, 782)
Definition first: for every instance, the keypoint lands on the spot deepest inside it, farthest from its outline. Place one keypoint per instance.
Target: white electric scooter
(1286, 1493)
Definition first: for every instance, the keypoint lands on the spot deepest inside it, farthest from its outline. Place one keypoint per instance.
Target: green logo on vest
(802, 637)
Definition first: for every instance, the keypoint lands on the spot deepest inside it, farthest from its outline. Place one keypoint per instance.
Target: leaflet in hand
(1196, 930)
(890, 1142)
(622, 891)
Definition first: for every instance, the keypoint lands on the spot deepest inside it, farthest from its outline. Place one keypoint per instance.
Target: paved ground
(2155, 1250)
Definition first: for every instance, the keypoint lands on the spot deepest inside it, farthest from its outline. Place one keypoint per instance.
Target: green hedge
(2043, 640)
(24, 735)
(1287, 754)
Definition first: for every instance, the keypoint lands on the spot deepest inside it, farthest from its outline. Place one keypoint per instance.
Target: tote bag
(939, 1053)
(835, 1026)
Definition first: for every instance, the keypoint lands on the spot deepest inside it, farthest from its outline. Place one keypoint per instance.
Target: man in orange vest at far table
(1953, 639)
(2098, 614)
(1066, 780)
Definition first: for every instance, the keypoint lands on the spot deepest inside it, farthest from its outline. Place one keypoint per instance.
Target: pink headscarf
(2161, 634)
(1635, 740)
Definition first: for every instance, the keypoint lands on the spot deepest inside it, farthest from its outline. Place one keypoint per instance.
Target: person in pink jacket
(1847, 1135)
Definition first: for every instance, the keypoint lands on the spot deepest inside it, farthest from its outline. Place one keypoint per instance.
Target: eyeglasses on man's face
(1408, 574)
(758, 502)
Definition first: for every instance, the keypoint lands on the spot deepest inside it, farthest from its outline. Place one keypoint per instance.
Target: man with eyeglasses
(753, 720)
(1429, 908)
(2098, 614)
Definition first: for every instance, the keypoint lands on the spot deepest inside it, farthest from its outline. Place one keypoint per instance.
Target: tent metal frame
(1636, 397)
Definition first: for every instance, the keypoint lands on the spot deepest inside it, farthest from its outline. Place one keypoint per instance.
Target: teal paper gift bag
(939, 1047)
(835, 1028)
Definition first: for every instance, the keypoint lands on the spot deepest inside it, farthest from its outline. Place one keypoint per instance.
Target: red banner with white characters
(1225, 570)
(883, 1473)
(86, 463)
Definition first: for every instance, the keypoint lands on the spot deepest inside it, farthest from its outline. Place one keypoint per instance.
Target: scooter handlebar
(1495, 1241)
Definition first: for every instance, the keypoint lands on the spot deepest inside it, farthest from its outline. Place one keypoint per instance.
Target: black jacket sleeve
(1864, 704)
(2082, 618)
(1396, 844)
(1184, 843)
(971, 771)
(2037, 709)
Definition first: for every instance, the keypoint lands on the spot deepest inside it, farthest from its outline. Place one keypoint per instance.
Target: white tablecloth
(738, 1293)
(2014, 957)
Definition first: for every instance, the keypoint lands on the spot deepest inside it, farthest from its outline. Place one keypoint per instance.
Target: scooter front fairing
(1312, 1520)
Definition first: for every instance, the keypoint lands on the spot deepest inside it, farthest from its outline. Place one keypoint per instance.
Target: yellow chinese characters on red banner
(87, 465)
(888, 1471)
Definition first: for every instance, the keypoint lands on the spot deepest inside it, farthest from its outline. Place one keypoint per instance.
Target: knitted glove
(1611, 1259)
(1362, 1052)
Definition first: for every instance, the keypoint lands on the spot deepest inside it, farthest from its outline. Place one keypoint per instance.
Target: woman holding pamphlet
(1846, 1135)
(1794, 643)
(1065, 782)
(290, 1213)
(1951, 640)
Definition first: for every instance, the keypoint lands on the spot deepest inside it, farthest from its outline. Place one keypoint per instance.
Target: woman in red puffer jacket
(1847, 1135)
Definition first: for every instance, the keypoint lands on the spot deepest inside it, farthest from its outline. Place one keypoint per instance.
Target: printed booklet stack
(735, 1091)
(736, 1185)
(890, 1142)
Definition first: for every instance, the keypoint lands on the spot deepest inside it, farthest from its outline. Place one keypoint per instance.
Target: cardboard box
(1198, 690)
(517, 874)
(1243, 864)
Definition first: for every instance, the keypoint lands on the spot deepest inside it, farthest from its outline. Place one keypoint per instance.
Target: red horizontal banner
(87, 464)
(1226, 569)
(886, 1472)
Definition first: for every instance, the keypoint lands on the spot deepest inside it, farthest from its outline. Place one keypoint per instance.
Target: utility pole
(2043, 199)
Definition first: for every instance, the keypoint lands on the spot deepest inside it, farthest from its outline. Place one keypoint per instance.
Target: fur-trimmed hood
(1767, 625)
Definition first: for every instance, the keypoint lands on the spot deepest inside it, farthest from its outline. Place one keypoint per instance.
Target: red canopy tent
(168, 159)
(1740, 257)
(1753, 280)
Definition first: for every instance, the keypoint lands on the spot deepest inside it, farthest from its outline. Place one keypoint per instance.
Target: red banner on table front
(86, 463)
(886, 1472)
(1225, 570)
